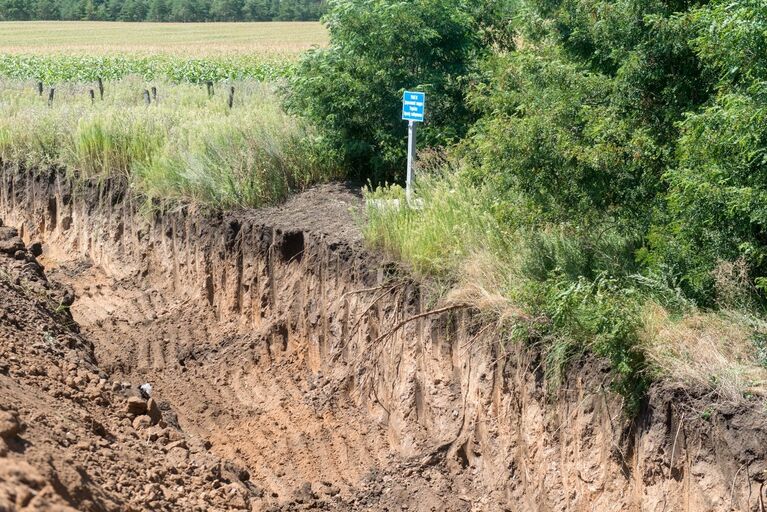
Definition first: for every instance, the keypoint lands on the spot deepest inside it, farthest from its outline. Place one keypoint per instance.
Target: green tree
(71, 10)
(113, 9)
(226, 10)
(189, 10)
(14, 10)
(159, 10)
(378, 48)
(258, 10)
(46, 10)
(134, 10)
(162, 10)
(717, 204)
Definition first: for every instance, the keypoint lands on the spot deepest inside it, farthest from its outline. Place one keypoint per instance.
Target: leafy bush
(581, 118)
(379, 48)
(717, 204)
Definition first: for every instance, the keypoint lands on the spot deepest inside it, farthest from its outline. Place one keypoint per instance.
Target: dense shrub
(582, 118)
(379, 48)
(718, 196)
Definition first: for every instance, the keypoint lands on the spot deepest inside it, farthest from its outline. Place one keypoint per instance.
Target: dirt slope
(70, 438)
(277, 344)
(228, 401)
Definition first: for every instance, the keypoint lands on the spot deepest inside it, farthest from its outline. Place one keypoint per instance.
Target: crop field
(188, 39)
(55, 69)
(55, 52)
(212, 130)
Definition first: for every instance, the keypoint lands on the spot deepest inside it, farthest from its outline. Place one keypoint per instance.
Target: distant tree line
(162, 10)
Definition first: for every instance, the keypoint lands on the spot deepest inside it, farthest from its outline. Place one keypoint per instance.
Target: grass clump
(184, 146)
(570, 289)
(719, 351)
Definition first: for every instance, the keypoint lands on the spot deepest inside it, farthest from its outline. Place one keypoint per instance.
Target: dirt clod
(136, 405)
(153, 411)
(10, 425)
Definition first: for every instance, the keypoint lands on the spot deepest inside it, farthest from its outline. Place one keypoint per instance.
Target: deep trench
(285, 348)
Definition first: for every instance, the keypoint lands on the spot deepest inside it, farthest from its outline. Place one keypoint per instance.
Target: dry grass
(715, 351)
(188, 39)
(185, 147)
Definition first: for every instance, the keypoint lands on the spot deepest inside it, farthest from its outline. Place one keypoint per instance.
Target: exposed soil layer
(71, 437)
(282, 353)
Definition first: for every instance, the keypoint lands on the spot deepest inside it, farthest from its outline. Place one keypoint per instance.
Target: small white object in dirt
(146, 390)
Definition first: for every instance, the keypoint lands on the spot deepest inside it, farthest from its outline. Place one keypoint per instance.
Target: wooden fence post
(154, 94)
(231, 97)
(92, 94)
(147, 97)
(39, 89)
(211, 91)
(50, 96)
(101, 88)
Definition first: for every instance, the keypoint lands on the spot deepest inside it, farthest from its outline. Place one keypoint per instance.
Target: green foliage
(54, 69)
(552, 133)
(379, 48)
(604, 315)
(717, 204)
(162, 10)
(582, 117)
(584, 286)
(184, 148)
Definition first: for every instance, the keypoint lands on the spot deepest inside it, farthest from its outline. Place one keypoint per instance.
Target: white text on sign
(413, 106)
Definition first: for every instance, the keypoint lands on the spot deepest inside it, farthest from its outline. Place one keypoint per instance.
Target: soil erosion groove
(277, 339)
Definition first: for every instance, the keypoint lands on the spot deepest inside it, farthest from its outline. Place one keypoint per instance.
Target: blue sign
(413, 106)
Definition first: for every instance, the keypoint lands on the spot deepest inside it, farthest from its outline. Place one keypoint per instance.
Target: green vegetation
(192, 40)
(608, 178)
(353, 89)
(55, 69)
(162, 10)
(183, 147)
(84, 52)
(378, 48)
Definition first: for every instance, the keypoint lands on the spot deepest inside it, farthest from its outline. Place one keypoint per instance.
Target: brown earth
(72, 437)
(296, 371)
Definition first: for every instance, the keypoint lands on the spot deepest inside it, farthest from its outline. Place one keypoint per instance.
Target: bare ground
(242, 428)
(287, 376)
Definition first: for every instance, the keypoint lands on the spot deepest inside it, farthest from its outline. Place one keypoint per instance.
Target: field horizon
(205, 38)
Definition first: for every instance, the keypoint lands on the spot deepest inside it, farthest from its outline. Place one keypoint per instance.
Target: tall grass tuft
(569, 289)
(183, 147)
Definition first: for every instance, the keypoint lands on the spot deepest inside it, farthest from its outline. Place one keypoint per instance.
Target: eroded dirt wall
(441, 393)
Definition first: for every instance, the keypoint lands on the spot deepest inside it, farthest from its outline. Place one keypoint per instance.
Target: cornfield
(54, 69)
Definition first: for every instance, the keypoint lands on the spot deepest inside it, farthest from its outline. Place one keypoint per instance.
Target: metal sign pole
(413, 109)
(410, 159)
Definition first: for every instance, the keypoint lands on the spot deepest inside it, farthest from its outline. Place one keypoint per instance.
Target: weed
(185, 147)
